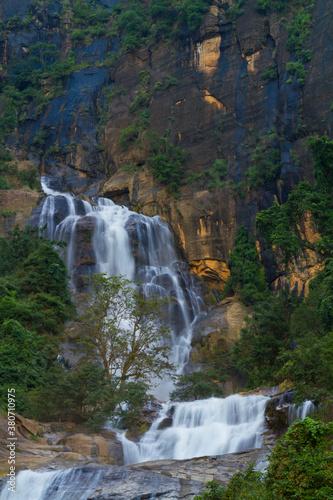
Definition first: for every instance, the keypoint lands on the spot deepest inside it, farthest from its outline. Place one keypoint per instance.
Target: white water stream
(68, 484)
(199, 428)
(142, 249)
(156, 264)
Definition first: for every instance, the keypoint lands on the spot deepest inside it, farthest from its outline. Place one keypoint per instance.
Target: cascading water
(118, 241)
(300, 412)
(126, 243)
(206, 427)
(69, 484)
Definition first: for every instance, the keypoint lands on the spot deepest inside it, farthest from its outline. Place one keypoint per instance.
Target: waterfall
(300, 412)
(106, 238)
(199, 428)
(69, 484)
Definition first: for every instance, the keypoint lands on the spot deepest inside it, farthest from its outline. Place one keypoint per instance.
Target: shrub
(265, 161)
(167, 163)
(298, 70)
(3, 183)
(128, 136)
(247, 277)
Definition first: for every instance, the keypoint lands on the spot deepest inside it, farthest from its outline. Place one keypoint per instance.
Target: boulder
(225, 320)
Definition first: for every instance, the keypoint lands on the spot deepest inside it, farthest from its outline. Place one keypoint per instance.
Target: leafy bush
(262, 340)
(85, 395)
(266, 6)
(301, 464)
(247, 277)
(167, 163)
(128, 136)
(265, 161)
(269, 74)
(297, 69)
(3, 183)
(198, 385)
(217, 174)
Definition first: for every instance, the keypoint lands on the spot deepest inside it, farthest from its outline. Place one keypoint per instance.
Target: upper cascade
(106, 238)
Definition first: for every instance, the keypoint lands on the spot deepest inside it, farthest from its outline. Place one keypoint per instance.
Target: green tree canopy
(123, 329)
(247, 277)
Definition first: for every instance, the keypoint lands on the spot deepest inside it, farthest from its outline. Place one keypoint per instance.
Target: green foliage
(267, 6)
(30, 178)
(235, 10)
(217, 174)
(167, 163)
(140, 25)
(128, 136)
(85, 395)
(280, 225)
(191, 11)
(34, 304)
(298, 70)
(198, 385)
(305, 363)
(299, 31)
(122, 329)
(89, 21)
(247, 278)
(171, 81)
(298, 36)
(300, 467)
(245, 485)
(308, 367)
(322, 155)
(3, 183)
(256, 353)
(301, 464)
(269, 74)
(265, 161)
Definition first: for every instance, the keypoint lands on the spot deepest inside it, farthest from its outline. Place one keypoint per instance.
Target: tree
(301, 464)
(198, 385)
(247, 277)
(255, 353)
(123, 329)
(85, 395)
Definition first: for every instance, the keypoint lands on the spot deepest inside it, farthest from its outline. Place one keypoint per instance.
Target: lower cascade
(69, 484)
(205, 427)
(116, 241)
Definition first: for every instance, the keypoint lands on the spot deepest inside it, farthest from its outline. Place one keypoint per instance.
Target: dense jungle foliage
(288, 339)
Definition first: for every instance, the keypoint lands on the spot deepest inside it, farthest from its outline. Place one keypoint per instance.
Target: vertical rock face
(220, 108)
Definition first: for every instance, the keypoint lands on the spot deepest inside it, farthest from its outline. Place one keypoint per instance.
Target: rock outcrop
(64, 444)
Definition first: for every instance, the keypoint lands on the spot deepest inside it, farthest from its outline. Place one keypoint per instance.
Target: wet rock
(277, 411)
(166, 422)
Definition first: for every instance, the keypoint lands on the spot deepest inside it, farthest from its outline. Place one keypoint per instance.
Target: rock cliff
(207, 93)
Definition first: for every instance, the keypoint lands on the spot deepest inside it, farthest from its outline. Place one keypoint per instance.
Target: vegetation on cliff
(289, 339)
(34, 304)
